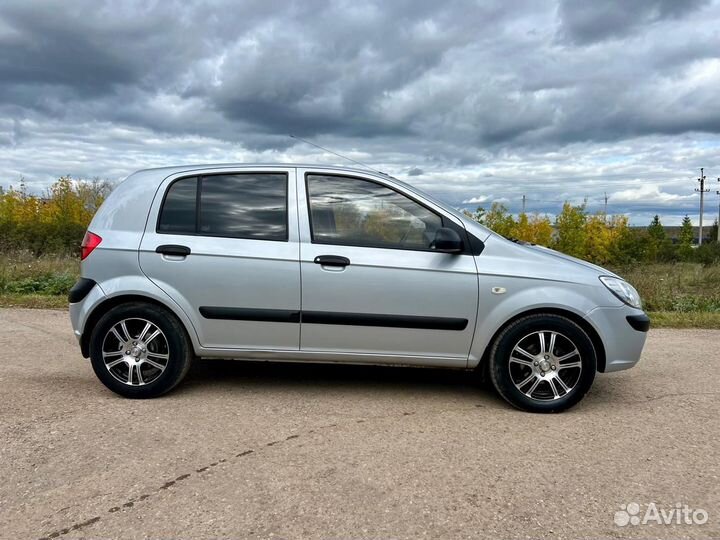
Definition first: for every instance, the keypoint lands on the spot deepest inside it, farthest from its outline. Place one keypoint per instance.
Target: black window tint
(244, 206)
(178, 210)
(359, 212)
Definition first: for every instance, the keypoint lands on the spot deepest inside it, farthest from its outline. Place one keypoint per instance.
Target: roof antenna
(339, 155)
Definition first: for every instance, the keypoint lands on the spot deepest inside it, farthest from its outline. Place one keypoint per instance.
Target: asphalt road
(252, 450)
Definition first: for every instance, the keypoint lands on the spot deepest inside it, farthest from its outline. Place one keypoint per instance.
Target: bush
(21, 272)
(52, 284)
(707, 254)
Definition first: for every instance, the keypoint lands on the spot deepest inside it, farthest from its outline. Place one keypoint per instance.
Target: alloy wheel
(135, 351)
(545, 365)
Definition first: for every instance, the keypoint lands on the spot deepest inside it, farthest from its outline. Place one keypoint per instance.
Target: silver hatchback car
(327, 264)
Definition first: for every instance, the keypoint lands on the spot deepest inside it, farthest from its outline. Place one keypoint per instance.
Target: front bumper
(640, 322)
(623, 331)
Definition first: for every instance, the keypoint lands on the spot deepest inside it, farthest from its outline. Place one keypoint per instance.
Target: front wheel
(543, 363)
(140, 350)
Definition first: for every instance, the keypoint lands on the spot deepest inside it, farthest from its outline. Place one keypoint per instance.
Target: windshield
(449, 209)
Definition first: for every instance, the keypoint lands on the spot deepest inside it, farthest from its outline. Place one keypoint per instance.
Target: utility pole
(606, 199)
(702, 191)
(524, 200)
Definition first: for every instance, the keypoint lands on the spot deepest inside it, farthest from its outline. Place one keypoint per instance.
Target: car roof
(174, 169)
(157, 174)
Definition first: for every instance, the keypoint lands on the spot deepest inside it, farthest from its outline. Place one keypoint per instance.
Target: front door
(371, 283)
(224, 247)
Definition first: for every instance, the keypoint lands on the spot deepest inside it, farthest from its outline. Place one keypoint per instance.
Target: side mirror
(447, 241)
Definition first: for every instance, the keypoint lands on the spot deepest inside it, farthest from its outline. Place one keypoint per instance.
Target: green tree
(659, 246)
(656, 229)
(478, 215)
(686, 232)
(686, 237)
(498, 218)
(714, 231)
(629, 246)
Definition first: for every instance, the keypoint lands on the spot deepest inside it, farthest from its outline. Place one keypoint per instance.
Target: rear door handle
(332, 260)
(173, 249)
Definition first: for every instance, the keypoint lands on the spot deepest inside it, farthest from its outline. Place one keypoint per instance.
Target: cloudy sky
(473, 101)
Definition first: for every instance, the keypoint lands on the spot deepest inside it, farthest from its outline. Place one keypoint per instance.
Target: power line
(702, 191)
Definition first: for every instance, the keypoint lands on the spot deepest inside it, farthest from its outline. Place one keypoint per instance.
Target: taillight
(89, 243)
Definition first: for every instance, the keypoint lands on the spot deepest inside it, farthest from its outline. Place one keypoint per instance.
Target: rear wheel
(140, 350)
(543, 363)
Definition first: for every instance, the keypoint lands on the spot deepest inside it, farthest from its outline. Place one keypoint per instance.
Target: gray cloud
(589, 22)
(559, 99)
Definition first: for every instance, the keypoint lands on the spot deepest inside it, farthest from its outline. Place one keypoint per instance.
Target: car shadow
(209, 375)
(217, 373)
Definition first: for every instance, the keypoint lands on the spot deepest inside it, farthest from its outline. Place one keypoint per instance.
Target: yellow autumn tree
(535, 229)
(598, 239)
(54, 221)
(542, 229)
(571, 233)
(522, 230)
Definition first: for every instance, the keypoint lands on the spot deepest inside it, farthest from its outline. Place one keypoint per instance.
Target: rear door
(224, 246)
(371, 283)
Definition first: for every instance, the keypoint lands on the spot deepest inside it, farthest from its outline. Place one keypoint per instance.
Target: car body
(330, 264)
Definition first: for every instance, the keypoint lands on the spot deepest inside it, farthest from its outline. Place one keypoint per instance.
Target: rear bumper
(623, 331)
(80, 290)
(80, 310)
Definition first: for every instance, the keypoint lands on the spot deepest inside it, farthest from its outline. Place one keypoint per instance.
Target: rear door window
(247, 205)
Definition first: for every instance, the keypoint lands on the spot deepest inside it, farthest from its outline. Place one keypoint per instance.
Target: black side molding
(80, 290)
(388, 321)
(250, 314)
(641, 323)
(334, 318)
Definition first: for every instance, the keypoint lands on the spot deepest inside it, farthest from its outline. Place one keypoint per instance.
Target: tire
(525, 370)
(154, 364)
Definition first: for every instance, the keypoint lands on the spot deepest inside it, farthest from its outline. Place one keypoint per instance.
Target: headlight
(623, 290)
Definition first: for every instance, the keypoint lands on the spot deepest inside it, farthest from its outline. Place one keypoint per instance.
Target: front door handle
(332, 260)
(173, 249)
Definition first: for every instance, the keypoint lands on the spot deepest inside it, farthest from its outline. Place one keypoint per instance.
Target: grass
(676, 287)
(38, 282)
(36, 301)
(680, 295)
(680, 319)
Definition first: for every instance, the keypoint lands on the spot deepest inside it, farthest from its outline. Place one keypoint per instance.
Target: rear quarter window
(178, 210)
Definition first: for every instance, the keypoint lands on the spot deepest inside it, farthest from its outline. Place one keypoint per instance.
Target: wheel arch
(574, 317)
(110, 302)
